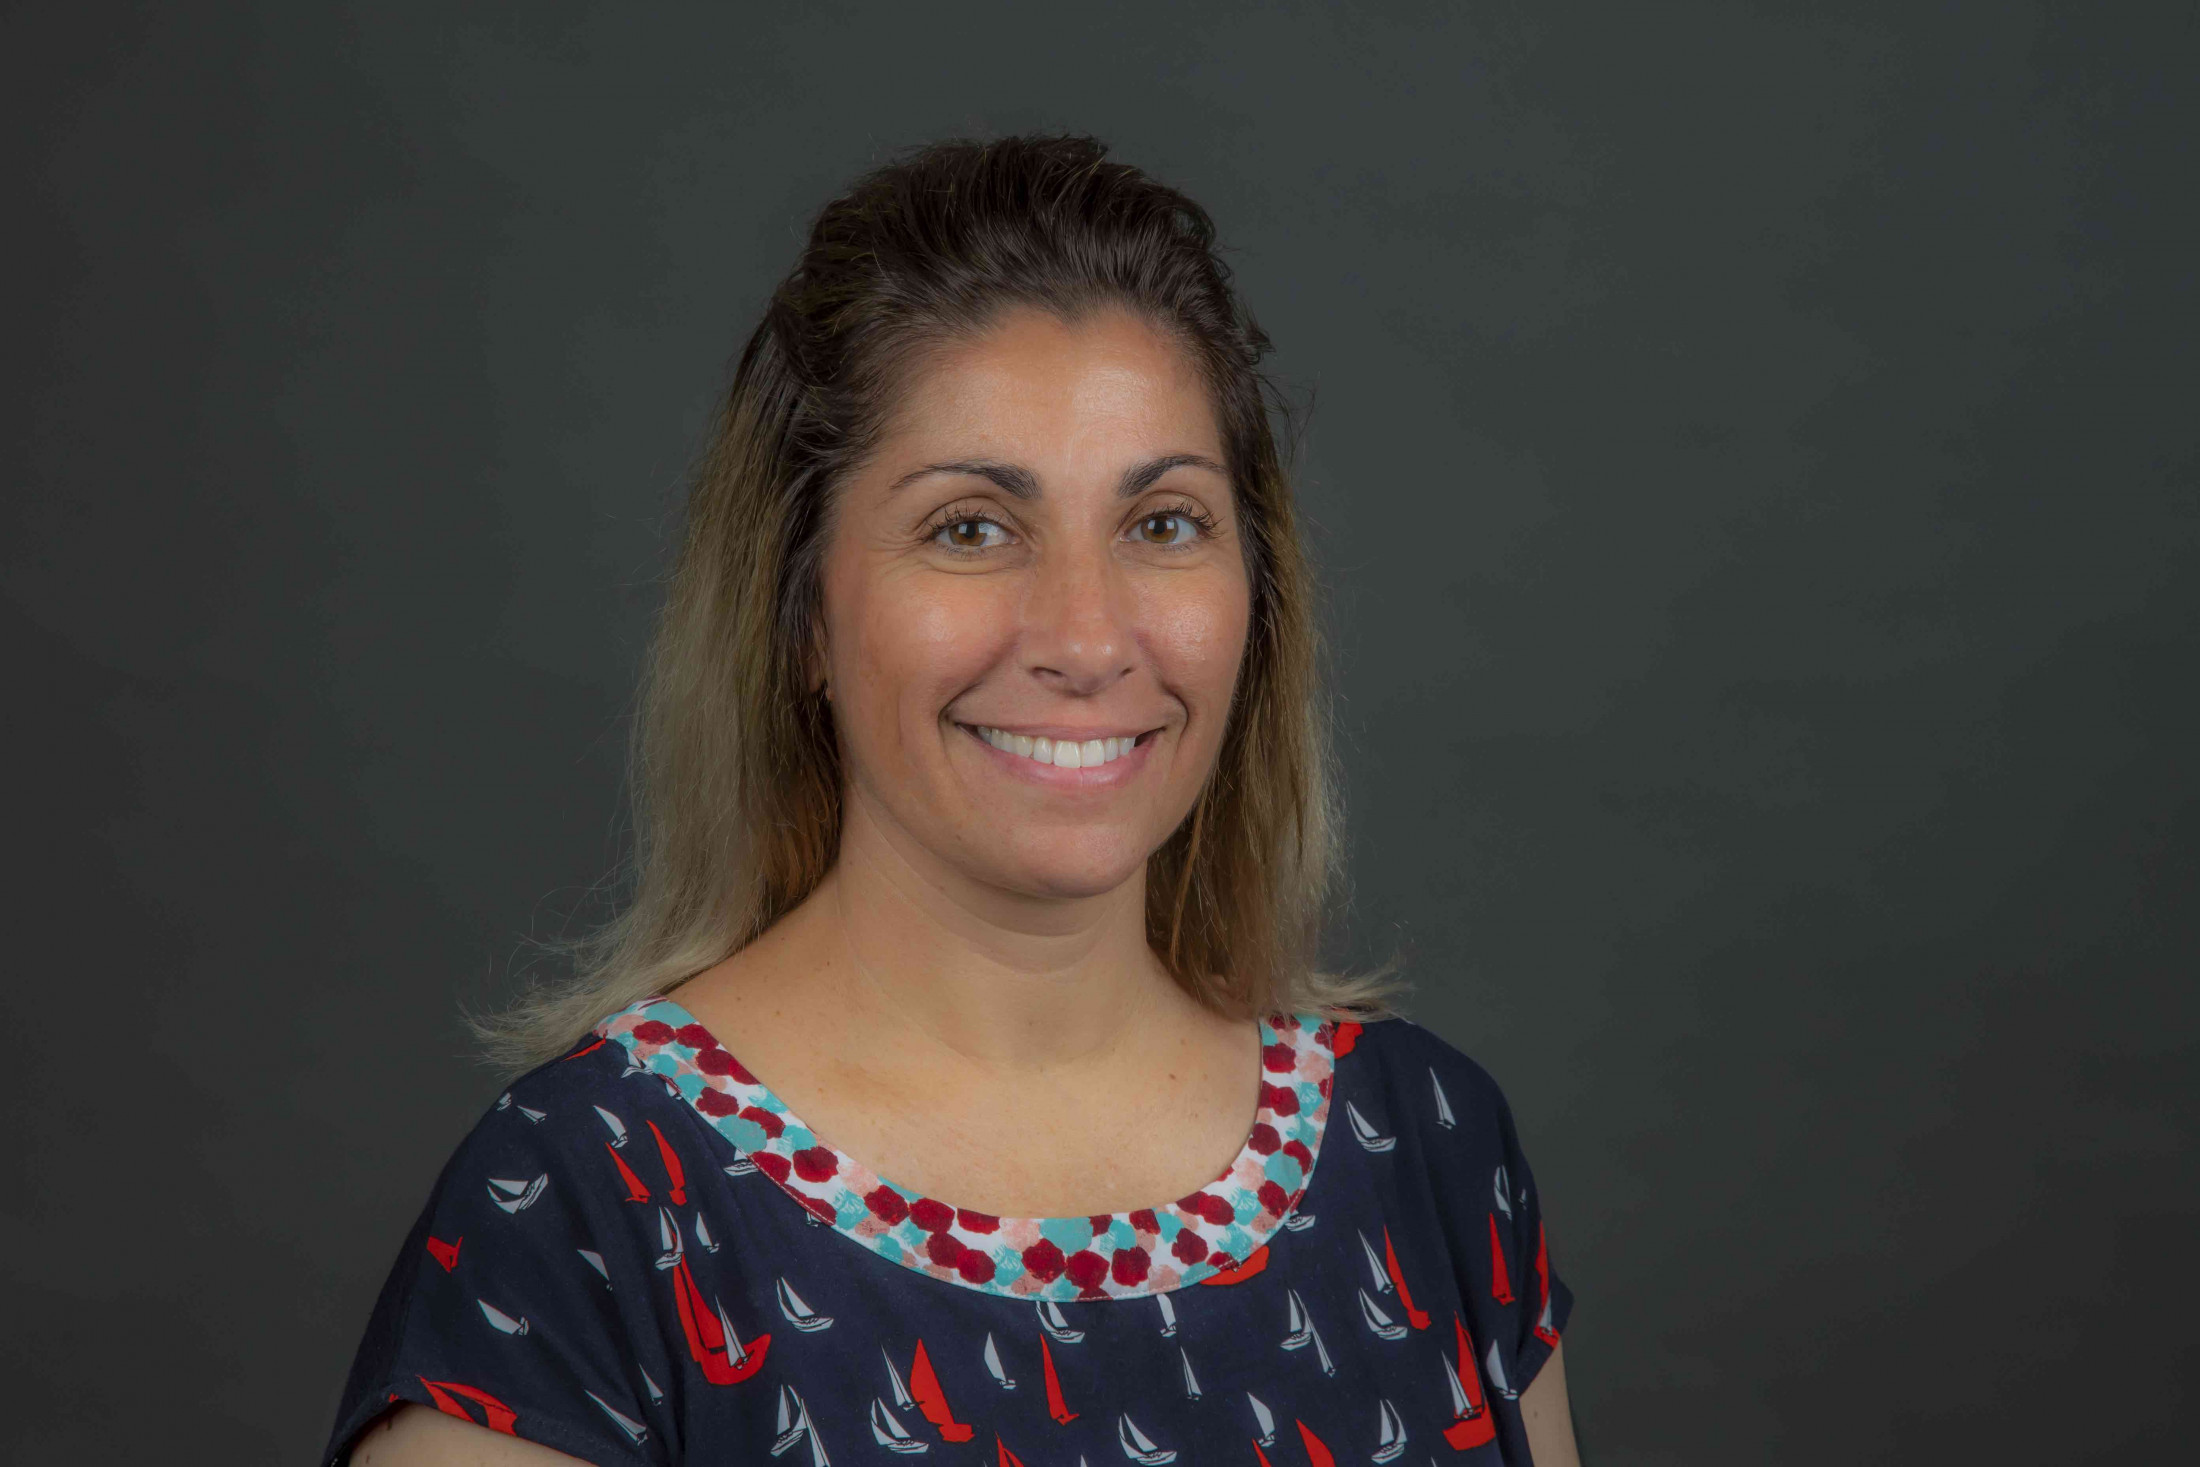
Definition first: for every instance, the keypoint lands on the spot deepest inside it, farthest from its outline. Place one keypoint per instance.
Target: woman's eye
(1167, 528)
(970, 534)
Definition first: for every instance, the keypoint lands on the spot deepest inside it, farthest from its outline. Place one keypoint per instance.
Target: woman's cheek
(929, 638)
(1201, 635)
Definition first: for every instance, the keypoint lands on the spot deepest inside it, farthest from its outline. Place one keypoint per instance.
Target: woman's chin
(1067, 876)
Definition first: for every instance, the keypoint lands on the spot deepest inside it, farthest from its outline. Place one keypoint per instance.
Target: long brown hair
(735, 771)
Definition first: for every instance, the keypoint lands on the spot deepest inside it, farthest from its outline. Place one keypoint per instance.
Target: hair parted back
(735, 772)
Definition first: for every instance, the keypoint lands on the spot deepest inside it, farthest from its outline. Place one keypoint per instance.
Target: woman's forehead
(1107, 385)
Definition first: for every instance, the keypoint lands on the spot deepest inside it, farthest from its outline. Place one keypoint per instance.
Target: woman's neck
(899, 956)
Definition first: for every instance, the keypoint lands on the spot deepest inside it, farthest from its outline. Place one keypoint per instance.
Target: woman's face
(1035, 605)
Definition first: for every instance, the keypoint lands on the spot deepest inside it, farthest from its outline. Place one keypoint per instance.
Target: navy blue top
(641, 1253)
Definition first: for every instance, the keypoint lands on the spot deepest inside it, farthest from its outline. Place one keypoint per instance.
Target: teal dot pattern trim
(1217, 1231)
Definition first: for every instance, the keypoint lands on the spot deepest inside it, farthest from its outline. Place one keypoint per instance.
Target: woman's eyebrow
(1140, 479)
(1021, 482)
(1012, 478)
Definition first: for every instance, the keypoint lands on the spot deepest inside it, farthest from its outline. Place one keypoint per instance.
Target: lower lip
(1120, 770)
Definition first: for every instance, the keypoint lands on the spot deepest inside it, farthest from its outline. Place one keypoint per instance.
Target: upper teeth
(1062, 753)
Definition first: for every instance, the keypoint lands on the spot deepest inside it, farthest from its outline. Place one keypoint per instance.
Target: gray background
(1754, 465)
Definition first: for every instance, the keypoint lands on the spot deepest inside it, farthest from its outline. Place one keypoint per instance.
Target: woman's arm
(420, 1436)
(1546, 1415)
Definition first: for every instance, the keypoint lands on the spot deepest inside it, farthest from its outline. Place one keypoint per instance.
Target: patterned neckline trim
(1218, 1234)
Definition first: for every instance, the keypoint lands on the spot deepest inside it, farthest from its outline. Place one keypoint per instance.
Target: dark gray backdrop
(1754, 463)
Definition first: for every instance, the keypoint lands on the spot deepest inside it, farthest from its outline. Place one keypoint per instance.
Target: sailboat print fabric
(641, 1255)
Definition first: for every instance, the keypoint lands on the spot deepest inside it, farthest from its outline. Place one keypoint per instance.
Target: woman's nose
(1077, 624)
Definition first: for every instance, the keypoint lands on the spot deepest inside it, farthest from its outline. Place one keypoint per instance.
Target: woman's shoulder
(1400, 1075)
(1397, 1050)
(554, 1218)
(543, 1109)
(593, 1110)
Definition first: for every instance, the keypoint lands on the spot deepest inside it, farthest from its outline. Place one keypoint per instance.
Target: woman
(985, 828)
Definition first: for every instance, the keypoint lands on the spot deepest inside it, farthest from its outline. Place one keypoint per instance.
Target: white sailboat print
(736, 1352)
(795, 1426)
(1299, 1222)
(1191, 1381)
(888, 1433)
(799, 1314)
(1498, 1184)
(1444, 1116)
(501, 1320)
(702, 1235)
(1378, 1322)
(1390, 1440)
(1463, 1407)
(504, 1102)
(513, 1195)
(635, 1431)
(1168, 1315)
(791, 1427)
(1055, 1323)
(993, 1364)
(595, 1261)
(902, 1399)
(616, 1126)
(740, 1166)
(1494, 1368)
(668, 1238)
(1267, 1421)
(1366, 1134)
(1303, 1333)
(1138, 1446)
(1374, 1265)
(655, 1393)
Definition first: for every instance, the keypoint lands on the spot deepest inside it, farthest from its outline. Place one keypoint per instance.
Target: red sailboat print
(1007, 1458)
(924, 1387)
(672, 1166)
(1415, 1315)
(1543, 1329)
(1056, 1406)
(1473, 1425)
(717, 1350)
(1238, 1273)
(1317, 1451)
(635, 1191)
(591, 1049)
(447, 1253)
(446, 1395)
(1501, 1288)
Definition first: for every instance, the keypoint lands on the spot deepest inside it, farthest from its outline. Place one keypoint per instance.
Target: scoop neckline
(1213, 1235)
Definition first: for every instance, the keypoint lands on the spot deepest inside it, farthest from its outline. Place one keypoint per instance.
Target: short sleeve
(1544, 1301)
(1492, 1215)
(504, 1306)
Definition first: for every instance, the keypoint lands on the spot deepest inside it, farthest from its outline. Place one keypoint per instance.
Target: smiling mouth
(1061, 753)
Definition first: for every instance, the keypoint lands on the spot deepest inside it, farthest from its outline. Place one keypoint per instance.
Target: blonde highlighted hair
(735, 772)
